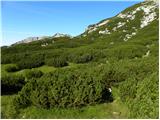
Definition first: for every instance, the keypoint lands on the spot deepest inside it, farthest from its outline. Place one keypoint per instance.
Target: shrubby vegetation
(10, 58)
(31, 61)
(11, 68)
(64, 89)
(145, 104)
(29, 74)
(134, 93)
(57, 62)
(139, 99)
(70, 84)
(8, 108)
(127, 51)
(11, 83)
(80, 58)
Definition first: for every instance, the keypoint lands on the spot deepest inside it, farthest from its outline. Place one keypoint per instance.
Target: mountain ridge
(149, 12)
(147, 7)
(32, 39)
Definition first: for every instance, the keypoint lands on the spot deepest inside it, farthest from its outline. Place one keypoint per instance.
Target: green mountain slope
(112, 66)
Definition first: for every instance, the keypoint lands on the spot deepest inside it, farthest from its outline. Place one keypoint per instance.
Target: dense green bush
(32, 61)
(113, 76)
(133, 90)
(11, 68)
(142, 102)
(64, 89)
(11, 83)
(10, 58)
(127, 51)
(29, 74)
(84, 58)
(56, 62)
(80, 57)
(128, 89)
(5, 59)
(145, 105)
(24, 60)
(29, 64)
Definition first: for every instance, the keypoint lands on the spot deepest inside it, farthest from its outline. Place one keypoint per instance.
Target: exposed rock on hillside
(137, 17)
(31, 39)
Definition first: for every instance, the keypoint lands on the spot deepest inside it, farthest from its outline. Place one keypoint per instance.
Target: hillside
(108, 71)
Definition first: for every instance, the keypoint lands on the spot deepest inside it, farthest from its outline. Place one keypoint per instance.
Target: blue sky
(38, 18)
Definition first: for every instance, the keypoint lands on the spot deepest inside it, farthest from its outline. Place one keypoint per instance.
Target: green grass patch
(46, 69)
(7, 108)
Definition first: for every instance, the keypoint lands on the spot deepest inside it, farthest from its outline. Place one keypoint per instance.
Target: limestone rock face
(126, 21)
(31, 39)
(60, 35)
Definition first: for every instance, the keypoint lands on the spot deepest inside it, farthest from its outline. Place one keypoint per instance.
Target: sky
(22, 19)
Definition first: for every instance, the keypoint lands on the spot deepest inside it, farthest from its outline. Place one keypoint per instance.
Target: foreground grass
(7, 108)
(97, 111)
(44, 68)
(116, 109)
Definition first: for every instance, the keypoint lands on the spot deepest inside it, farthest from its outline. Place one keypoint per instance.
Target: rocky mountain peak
(60, 35)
